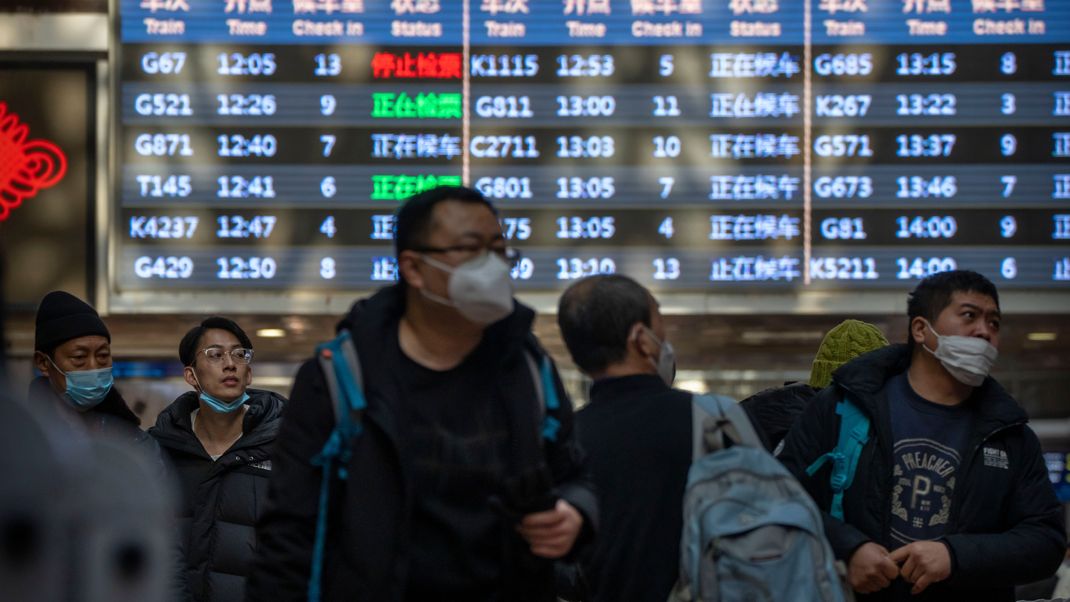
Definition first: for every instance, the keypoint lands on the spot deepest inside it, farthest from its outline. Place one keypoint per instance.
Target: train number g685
(844, 64)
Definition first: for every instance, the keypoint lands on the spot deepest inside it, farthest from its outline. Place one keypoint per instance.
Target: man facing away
(636, 431)
(451, 492)
(951, 498)
(218, 437)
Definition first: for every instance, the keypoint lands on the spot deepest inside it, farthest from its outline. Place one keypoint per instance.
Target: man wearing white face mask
(950, 499)
(452, 489)
(636, 431)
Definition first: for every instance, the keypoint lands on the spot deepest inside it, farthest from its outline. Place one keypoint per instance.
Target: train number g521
(163, 105)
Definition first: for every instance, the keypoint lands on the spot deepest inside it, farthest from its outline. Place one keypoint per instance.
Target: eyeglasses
(509, 255)
(240, 355)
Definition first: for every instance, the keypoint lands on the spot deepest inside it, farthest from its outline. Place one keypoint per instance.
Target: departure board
(694, 145)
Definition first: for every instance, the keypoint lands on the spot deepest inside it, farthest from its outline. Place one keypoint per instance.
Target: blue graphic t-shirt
(929, 442)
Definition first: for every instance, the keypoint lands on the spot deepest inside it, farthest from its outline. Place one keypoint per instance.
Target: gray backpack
(750, 532)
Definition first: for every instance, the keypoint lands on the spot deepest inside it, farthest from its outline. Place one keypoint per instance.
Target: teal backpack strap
(341, 371)
(542, 373)
(854, 433)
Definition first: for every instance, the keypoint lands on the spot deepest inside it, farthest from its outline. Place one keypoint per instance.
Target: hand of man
(923, 563)
(871, 569)
(552, 533)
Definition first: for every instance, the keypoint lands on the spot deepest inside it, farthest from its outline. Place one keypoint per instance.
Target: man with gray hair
(636, 431)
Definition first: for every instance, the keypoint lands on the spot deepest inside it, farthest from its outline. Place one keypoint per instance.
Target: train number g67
(844, 64)
(163, 63)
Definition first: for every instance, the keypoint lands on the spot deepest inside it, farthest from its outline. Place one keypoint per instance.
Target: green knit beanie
(848, 340)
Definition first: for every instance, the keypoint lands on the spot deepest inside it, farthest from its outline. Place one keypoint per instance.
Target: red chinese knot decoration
(26, 166)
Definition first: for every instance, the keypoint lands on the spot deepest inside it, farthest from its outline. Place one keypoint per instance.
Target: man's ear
(643, 345)
(42, 363)
(407, 270)
(918, 329)
(187, 374)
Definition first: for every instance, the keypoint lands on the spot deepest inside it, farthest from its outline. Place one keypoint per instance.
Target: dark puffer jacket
(1006, 526)
(774, 410)
(222, 499)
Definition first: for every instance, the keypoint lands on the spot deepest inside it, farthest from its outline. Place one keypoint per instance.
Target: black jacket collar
(633, 385)
(372, 319)
(174, 429)
(866, 375)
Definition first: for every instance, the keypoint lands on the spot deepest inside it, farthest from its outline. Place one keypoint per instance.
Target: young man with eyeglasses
(219, 437)
(452, 490)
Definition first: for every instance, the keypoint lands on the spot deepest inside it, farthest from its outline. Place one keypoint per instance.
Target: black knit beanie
(61, 317)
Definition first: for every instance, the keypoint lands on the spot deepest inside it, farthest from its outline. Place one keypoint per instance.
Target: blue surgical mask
(223, 407)
(86, 388)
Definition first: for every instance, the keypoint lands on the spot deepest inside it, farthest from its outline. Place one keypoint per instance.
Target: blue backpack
(341, 370)
(750, 530)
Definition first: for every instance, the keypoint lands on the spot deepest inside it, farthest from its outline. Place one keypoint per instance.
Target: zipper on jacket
(967, 463)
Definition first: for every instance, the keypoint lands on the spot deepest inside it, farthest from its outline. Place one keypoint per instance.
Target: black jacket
(110, 418)
(774, 410)
(1005, 527)
(367, 540)
(637, 434)
(222, 499)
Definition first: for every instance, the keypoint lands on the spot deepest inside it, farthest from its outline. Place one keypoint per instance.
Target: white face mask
(666, 364)
(480, 289)
(968, 359)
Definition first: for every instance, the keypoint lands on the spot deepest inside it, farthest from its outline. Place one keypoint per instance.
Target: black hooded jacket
(1005, 526)
(367, 544)
(221, 499)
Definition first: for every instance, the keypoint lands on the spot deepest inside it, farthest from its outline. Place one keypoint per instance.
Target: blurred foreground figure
(82, 519)
(947, 496)
(218, 438)
(428, 452)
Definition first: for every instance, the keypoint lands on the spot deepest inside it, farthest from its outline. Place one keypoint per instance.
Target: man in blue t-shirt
(951, 498)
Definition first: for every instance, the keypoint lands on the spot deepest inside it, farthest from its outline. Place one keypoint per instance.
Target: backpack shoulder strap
(854, 433)
(714, 417)
(542, 374)
(341, 371)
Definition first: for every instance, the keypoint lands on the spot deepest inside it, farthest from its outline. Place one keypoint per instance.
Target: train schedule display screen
(695, 145)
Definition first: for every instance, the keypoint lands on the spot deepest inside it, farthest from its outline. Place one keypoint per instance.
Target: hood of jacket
(174, 430)
(372, 319)
(113, 405)
(867, 374)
